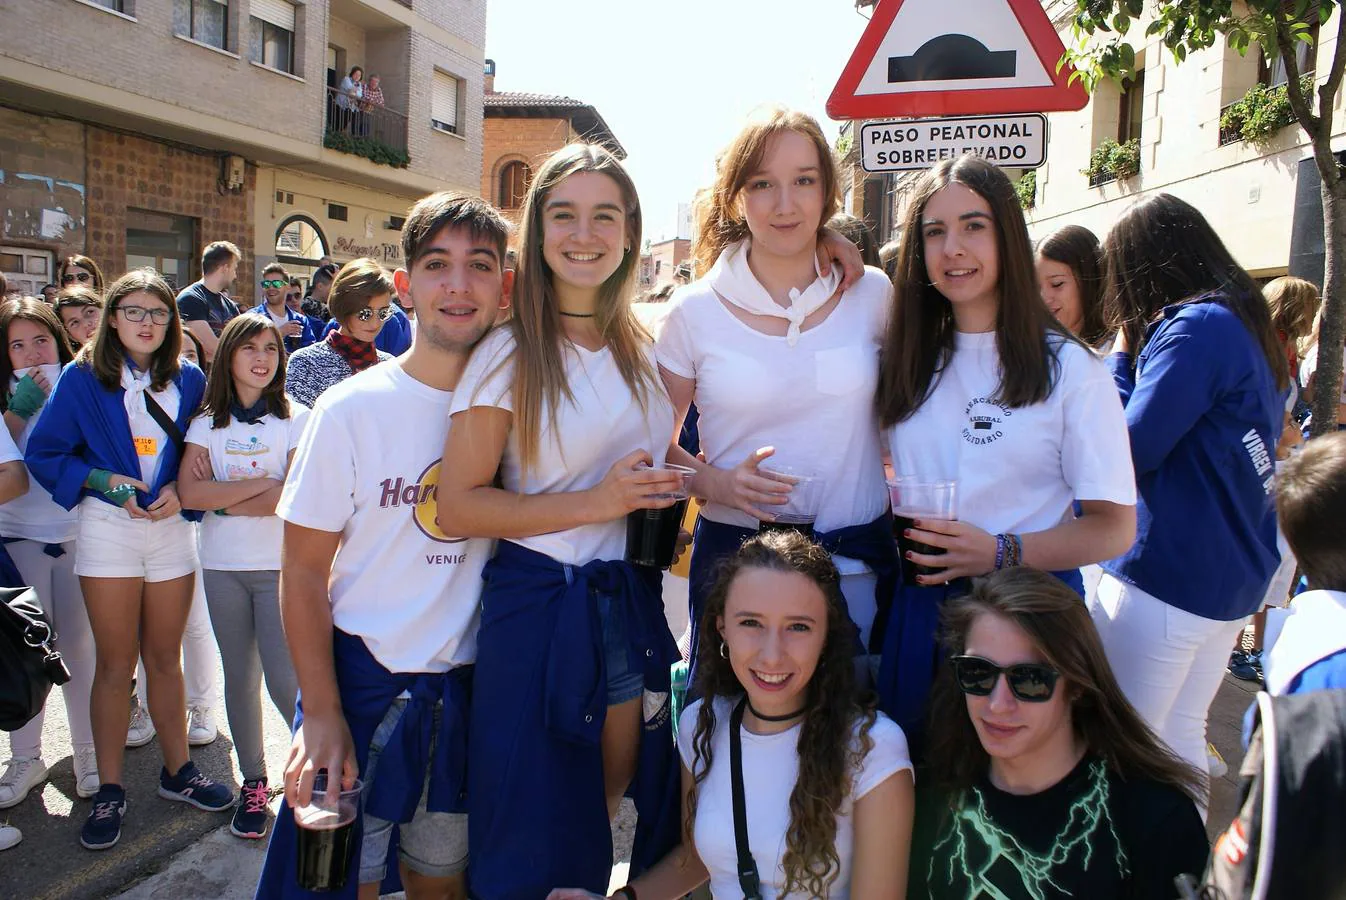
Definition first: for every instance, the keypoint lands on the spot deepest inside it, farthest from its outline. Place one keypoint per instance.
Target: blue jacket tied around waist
(85, 427)
(367, 690)
(538, 812)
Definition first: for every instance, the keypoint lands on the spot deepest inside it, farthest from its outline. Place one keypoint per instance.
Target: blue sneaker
(103, 828)
(190, 786)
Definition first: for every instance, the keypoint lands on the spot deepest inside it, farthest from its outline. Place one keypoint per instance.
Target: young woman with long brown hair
(563, 402)
(80, 271)
(980, 385)
(781, 362)
(1070, 277)
(1044, 781)
(109, 443)
(1203, 379)
(237, 456)
(40, 538)
(827, 783)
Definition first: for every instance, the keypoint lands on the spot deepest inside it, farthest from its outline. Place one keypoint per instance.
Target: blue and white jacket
(1204, 412)
(309, 334)
(84, 427)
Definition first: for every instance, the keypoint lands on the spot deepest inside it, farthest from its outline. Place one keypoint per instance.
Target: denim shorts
(624, 683)
(433, 844)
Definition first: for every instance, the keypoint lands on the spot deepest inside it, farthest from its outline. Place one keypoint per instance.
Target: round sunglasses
(1029, 682)
(368, 313)
(72, 277)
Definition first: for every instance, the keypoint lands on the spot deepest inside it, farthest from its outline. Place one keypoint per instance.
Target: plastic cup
(800, 511)
(652, 534)
(920, 498)
(326, 836)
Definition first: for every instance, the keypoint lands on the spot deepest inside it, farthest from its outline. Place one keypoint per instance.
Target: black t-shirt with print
(197, 303)
(1092, 835)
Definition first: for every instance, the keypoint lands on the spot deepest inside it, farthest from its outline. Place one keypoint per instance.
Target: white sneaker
(201, 728)
(141, 730)
(86, 771)
(9, 836)
(21, 776)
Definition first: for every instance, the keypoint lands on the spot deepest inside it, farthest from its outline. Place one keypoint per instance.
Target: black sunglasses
(1029, 682)
(81, 277)
(364, 315)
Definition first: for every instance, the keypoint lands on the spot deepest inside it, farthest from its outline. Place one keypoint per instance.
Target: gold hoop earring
(724, 650)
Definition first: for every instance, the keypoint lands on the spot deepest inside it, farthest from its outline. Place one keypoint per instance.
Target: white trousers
(1168, 662)
(59, 593)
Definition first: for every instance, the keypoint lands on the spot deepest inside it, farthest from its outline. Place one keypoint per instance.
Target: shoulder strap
(165, 422)
(748, 879)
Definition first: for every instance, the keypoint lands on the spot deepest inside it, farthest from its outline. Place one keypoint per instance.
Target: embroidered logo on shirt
(985, 421)
(421, 496)
(236, 472)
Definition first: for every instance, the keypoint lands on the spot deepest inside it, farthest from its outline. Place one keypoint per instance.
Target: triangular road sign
(955, 58)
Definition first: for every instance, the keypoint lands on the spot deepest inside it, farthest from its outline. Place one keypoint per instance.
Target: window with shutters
(272, 27)
(202, 20)
(514, 180)
(444, 103)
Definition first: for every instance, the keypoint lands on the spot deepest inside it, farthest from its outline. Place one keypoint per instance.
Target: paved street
(170, 851)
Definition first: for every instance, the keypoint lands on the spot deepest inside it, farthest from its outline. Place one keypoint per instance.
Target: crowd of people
(410, 522)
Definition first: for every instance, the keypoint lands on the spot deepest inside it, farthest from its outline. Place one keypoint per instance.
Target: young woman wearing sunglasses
(360, 301)
(80, 271)
(1044, 781)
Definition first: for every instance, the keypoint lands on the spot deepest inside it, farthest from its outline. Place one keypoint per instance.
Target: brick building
(521, 130)
(201, 120)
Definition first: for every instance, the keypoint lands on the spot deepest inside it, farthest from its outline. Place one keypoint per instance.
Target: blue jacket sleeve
(1119, 364)
(55, 455)
(1176, 384)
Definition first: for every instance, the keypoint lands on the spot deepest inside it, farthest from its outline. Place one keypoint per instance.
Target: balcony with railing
(1231, 129)
(361, 128)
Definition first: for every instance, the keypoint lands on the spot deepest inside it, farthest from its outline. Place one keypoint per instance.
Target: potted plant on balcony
(1259, 114)
(1113, 161)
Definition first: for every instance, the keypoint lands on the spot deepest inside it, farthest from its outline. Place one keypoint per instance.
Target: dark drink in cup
(325, 842)
(918, 499)
(652, 534)
(901, 522)
(800, 510)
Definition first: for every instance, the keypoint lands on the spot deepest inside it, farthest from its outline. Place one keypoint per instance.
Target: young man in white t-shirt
(381, 607)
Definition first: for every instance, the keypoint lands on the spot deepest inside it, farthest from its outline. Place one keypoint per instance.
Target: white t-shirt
(1309, 367)
(604, 424)
(1019, 470)
(34, 516)
(770, 770)
(368, 466)
(241, 452)
(813, 402)
(150, 440)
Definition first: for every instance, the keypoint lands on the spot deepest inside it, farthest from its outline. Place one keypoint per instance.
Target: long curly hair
(1055, 620)
(829, 755)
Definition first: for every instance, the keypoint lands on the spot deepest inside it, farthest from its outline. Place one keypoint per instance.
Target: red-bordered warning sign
(955, 58)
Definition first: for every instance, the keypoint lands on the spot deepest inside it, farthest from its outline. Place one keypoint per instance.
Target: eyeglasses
(366, 314)
(1029, 682)
(159, 315)
(71, 277)
(275, 284)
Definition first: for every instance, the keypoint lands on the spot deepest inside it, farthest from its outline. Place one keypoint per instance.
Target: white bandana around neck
(731, 278)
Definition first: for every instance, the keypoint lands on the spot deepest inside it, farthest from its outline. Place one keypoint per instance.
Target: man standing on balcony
(204, 306)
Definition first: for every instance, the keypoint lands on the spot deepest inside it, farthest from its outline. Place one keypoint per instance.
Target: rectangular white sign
(1012, 142)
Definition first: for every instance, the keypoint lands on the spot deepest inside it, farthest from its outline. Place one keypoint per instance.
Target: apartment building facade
(137, 131)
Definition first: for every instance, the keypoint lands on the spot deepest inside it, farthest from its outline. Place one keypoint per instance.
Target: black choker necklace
(577, 315)
(785, 718)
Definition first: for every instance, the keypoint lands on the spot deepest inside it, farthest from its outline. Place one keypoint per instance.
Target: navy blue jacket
(84, 427)
(394, 339)
(309, 334)
(1204, 413)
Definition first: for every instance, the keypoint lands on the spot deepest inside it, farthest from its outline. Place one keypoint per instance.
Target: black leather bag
(28, 664)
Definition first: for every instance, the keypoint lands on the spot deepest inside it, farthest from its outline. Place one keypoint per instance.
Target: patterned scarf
(358, 354)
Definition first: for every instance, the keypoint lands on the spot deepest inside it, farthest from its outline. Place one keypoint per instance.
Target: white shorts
(111, 544)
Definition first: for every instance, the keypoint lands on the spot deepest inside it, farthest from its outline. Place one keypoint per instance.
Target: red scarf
(358, 354)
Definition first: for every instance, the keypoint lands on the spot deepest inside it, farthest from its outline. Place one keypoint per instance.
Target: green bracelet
(100, 480)
(120, 494)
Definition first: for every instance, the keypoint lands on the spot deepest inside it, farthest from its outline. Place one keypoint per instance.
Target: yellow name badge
(146, 446)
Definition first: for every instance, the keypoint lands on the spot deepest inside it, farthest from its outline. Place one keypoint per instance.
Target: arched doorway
(300, 244)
